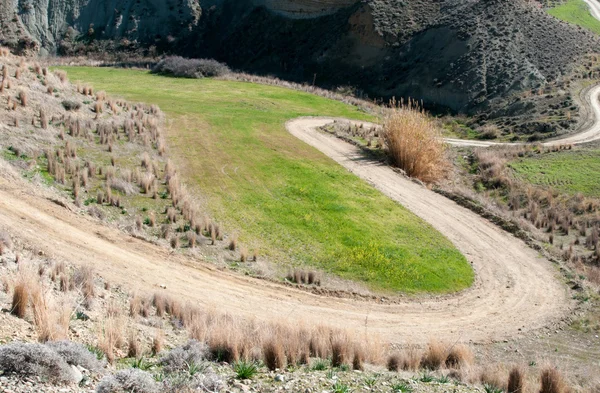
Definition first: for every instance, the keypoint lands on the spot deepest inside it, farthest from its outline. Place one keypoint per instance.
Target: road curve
(594, 8)
(515, 290)
(589, 135)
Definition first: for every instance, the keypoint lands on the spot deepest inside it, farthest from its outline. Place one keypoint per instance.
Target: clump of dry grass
(20, 298)
(233, 243)
(435, 356)
(134, 347)
(414, 143)
(459, 356)
(84, 280)
(158, 342)
(516, 381)
(273, 354)
(551, 381)
(23, 98)
(339, 351)
(110, 337)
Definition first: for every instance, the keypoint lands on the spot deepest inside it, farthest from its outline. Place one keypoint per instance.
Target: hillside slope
(468, 56)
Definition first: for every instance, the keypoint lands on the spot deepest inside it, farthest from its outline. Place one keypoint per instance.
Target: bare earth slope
(515, 291)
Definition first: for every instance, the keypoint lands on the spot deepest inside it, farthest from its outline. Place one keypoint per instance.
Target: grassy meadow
(571, 172)
(578, 13)
(282, 197)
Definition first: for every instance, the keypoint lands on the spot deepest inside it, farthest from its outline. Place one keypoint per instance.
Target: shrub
(76, 354)
(129, 380)
(415, 144)
(190, 68)
(178, 359)
(34, 360)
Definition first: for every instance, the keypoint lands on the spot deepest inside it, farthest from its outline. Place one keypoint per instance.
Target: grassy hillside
(286, 198)
(578, 13)
(571, 172)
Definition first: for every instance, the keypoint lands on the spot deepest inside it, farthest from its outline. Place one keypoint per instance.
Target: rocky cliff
(466, 55)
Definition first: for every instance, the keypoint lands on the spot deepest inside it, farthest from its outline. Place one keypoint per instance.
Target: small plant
(320, 365)
(96, 351)
(339, 387)
(370, 382)
(141, 363)
(443, 379)
(491, 388)
(401, 387)
(194, 368)
(244, 369)
(426, 378)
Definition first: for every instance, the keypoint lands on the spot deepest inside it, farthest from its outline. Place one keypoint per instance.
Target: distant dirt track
(590, 134)
(515, 291)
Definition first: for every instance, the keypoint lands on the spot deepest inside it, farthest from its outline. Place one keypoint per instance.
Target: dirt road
(515, 290)
(590, 134)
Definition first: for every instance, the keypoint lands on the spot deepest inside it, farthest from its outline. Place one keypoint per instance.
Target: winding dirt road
(515, 290)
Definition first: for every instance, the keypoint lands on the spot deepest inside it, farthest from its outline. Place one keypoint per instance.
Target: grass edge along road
(283, 197)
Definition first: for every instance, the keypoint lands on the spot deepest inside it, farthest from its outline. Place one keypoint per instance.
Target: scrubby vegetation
(190, 68)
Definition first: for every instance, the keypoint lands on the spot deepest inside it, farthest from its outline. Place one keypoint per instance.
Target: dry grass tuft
(273, 354)
(551, 381)
(339, 352)
(23, 98)
(414, 143)
(20, 297)
(393, 362)
(459, 356)
(435, 356)
(134, 347)
(111, 337)
(158, 342)
(516, 381)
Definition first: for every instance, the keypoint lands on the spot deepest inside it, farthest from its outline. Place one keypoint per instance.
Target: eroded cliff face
(466, 55)
(49, 22)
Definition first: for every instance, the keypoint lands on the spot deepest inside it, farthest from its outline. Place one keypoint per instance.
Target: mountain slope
(465, 55)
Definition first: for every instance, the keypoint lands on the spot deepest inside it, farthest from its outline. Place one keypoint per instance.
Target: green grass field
(283, 197)
(578, 13)
(576, 171)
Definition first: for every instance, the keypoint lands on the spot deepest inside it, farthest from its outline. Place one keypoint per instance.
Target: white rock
(77, 375)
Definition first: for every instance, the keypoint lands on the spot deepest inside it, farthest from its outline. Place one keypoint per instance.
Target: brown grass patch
(414, 143)
(273, 354)
(551, 381)
(435, 356)
(459, 356)
(516, 381)
(20, 298)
